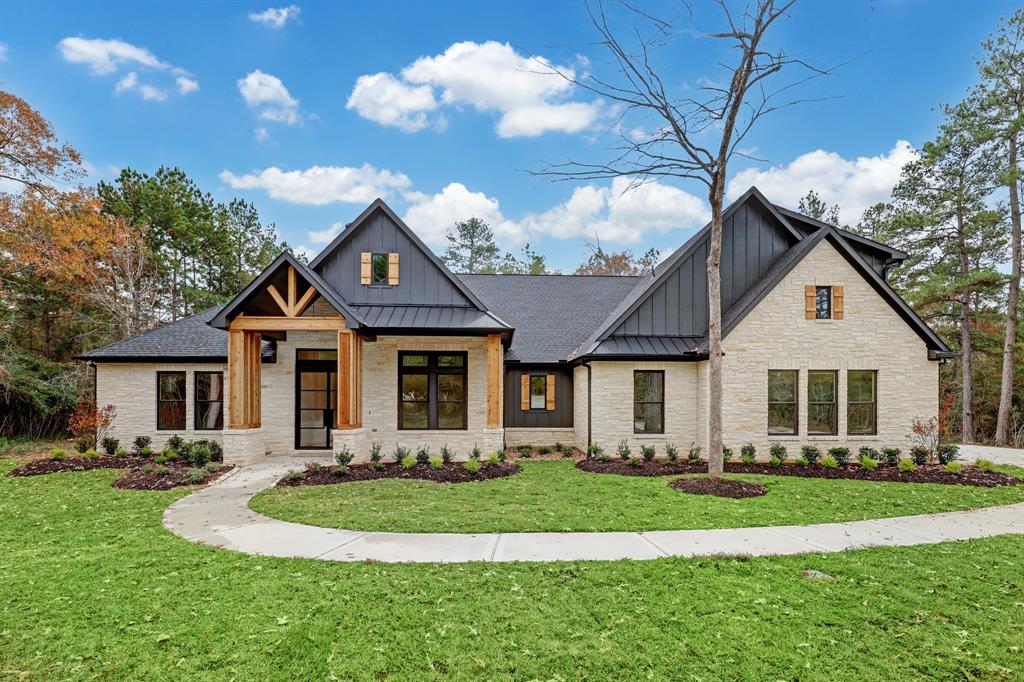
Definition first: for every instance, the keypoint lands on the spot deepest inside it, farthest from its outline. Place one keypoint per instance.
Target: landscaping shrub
(473, 465)
(604, 457)
(494, 459)
(91, 454)
(447, 454)
(343, 457)
(436, 463)
(841, 455)
(810, 453)
(623, 450)
(161, 470)
(196, 475)
(199, 454)
(146, 452)
(775, 462)
(726, 453)
(475, 452)
(748, 453)
(543, 450)
(672, 452)
(141, 443)
(919, 454)
(400, 453)
(82, 445)
(170, 456)
(160, 459)
(174, 443)
(110, 445)
(593, 449)
(948, 452)
(375, 455)
(984, 465)
(954, 467)
(502, 455)
(694, 454)
(801, 462)
(423, 455)
(525, 451)
(907, 465)
(121, 452)
(829, 462)
(58, 454)
(868, 451)
(778, 451)
(408, 462)
(215, 448)
(633, 461)
(647, 452)
(891, 455)
(295, 475)
(868, 463)
(212, 467)
(339, 470)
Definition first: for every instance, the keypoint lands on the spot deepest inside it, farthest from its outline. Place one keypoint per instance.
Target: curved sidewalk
(219, 515)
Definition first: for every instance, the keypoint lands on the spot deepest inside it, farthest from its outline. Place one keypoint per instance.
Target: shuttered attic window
(378, 269)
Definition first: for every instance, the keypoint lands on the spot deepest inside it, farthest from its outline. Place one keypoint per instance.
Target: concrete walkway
(219, 515)
(969, 453)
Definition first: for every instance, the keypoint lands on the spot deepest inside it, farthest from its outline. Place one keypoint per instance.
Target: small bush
(954, 467)
(377, 466)
(594, 450)
(841, 455)
(343, 456)
(948, 452)
(907, 465)
(339, 470)
(525, 451)
(472, 466)
(775, 462)
(121, 452)
(868, 451)
(141, 443)
(502, 455)
(215, 448)
(212, 467)
(146, 452)
(408, 462)
(423, 455)
(623, 450)
(672, 452)
(604, 457)
(647, 452)
(829, 462)
(196, 475)
(170, 455)
(475, 452)
(175, 443)
(494, 459)
(82, 445)
(110, 445)
(375, 453)
(161, 470)
(810, 453)
(984, 465)
(91, 454)
(748, 453)
(868, 463)
(801, 462)
(891, 456)
(919, 455)
(726, 453)
(778, 451)
(160, 459)
(58, 454)
(436, 463)
(400, 453)
(634, 461)
(543, 450)
(199, 454)
(694, 454)
(295, 475)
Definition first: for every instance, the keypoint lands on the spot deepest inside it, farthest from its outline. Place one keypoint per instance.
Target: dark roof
(649, 346)
(456, 318)
(552, 314)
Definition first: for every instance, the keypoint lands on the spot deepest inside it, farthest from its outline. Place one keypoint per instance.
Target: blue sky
(311, 110)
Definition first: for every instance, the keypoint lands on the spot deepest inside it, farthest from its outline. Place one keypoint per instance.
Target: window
(379, 269)
(431, 390)
(823, 303)
(861, 402)
(538, 391)
(648, 402)
(821, 403)
(782, 394)
(170, 401)
(209, 401)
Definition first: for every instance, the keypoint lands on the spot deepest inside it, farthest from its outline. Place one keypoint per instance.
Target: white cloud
(304, 251)
(3, 52)
(320, 185)
(267, 95)
(106, 57)
(261, 134)
(432, 215)
(384, 99)
(490, 77)
(276, 17)
(854, 184)
(326, 235)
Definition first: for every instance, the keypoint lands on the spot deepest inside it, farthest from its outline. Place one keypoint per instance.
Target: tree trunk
(715, 332)
(966, 364)
(1012, 298)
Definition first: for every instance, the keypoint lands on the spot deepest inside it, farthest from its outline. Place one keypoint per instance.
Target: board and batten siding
(560, 417)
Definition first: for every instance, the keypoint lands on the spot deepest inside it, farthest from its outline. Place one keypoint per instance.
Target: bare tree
(125, 287)
(696, 132)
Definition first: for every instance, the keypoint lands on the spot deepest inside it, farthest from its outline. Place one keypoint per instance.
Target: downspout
(590, 407)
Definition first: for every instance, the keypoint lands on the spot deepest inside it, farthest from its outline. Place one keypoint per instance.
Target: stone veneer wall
(580, 417)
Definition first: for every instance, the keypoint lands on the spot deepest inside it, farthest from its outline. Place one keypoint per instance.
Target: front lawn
(94, 587)
(555, 496)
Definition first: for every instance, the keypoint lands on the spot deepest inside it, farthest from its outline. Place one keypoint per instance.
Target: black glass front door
(315, 402)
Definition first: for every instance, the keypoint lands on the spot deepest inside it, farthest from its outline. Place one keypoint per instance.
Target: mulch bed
(53, 466)
(453, 472)
(137, 475)
(925, 473)
(719, 487)
(142, 478)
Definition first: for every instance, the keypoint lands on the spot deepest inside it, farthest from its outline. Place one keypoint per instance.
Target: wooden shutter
(809, 304)
(365, 266)
(837, 302)
(550, 404)
(393, 269)
(524, 397)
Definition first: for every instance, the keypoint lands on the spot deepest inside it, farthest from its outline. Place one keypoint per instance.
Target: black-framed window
(862, 402)
(379, 268)
(782, 402)
(170, 401)
(823, 303)
(648, 401)
(538, 391)
(432, 390)
(209, 401)
(821, 402)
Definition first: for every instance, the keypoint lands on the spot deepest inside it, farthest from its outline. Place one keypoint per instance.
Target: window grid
(821, 402)
(444, 375)
(862, 406)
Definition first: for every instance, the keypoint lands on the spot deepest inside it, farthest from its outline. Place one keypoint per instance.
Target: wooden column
(350, 381)
(243, 379)
(494, 381)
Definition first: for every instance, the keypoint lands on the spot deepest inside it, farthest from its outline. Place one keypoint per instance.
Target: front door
(316, 396)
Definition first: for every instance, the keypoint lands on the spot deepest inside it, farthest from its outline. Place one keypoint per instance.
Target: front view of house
(376, 341)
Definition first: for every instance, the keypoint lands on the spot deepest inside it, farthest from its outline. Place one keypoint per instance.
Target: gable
(422, 278)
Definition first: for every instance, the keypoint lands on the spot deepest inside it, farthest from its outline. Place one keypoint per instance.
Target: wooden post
(243, 379)
(494, 381)
(344, 381)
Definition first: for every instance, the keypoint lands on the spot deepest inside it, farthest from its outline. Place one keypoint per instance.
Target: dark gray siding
(560, 417)
(420, 281)
(752, 240)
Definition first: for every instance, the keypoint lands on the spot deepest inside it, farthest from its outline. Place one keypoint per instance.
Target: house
(376, 341)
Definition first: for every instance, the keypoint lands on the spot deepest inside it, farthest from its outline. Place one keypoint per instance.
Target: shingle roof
(552, 314)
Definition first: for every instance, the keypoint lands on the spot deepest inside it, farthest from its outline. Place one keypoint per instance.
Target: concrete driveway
(998, 455)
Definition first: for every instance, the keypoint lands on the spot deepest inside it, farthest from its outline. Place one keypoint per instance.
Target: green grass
(555, 496)
(92, 586)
